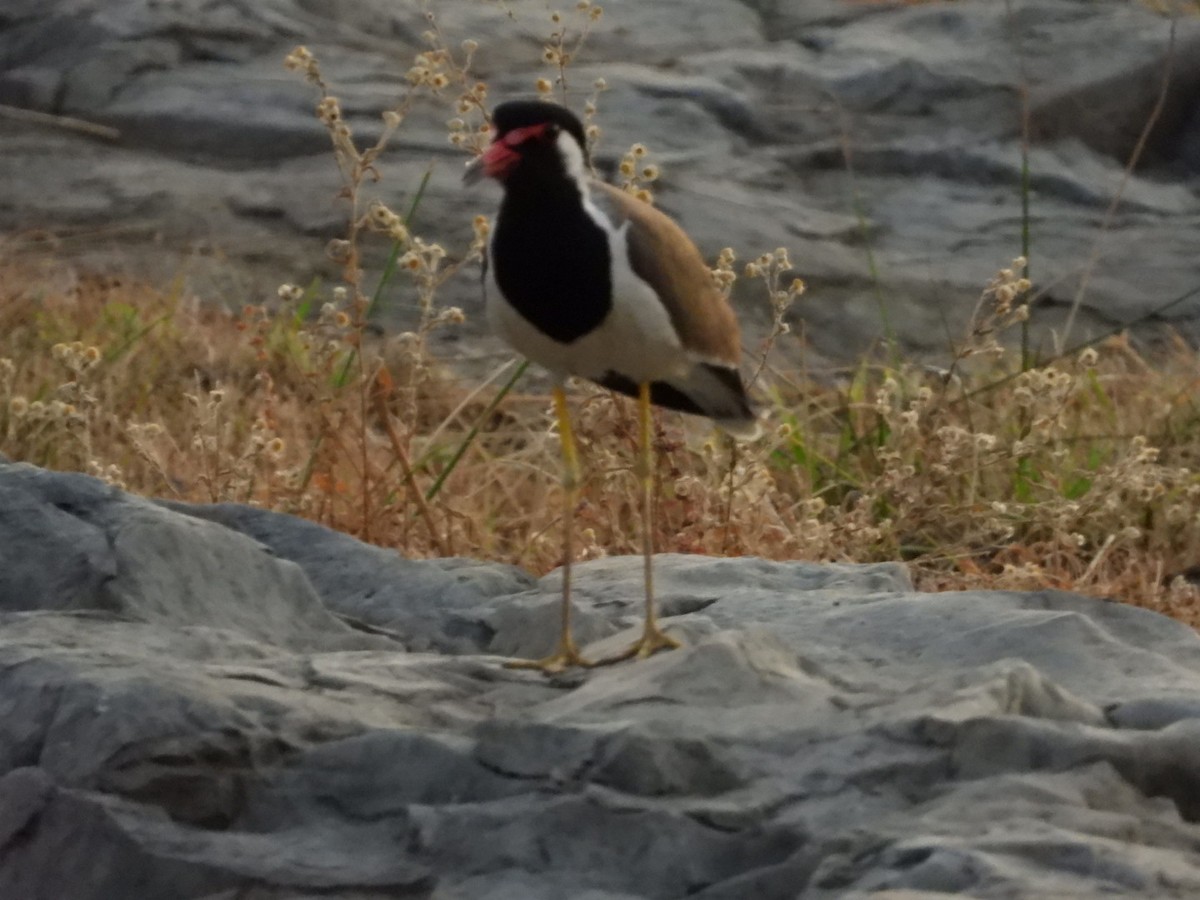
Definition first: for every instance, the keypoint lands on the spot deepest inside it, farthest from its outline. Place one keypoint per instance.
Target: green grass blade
(474, 430)
(385, 276)
(389, 267)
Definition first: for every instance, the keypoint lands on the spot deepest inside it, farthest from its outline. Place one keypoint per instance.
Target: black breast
(552, 264)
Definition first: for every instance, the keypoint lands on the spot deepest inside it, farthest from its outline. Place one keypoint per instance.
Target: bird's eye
(552, 130)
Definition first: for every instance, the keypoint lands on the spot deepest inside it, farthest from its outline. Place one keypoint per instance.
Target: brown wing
(662, 254)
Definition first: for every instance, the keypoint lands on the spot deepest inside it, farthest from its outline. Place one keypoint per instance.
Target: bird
(587, 280)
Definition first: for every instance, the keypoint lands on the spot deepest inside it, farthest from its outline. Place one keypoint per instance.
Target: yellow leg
(567, 654)
(653, 639)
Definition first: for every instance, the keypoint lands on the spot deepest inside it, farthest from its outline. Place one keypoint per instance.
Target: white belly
(636, 339)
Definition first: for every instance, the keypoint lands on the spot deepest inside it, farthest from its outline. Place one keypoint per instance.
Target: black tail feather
(716, 392)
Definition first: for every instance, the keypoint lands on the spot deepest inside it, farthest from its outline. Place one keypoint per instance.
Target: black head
(525, 142)
(525, 113)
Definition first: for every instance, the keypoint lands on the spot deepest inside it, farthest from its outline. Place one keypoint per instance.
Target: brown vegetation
(1082, 473)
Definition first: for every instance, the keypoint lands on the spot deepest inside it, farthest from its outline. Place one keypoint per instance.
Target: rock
(127, 556)
(825, 730)
(421, 600)
(91, 846)
(755, 110)
(25, 792)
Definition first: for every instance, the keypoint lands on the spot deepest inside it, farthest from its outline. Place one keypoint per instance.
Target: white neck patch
(572, 157)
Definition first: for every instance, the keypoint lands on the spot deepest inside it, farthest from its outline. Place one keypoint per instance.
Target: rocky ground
(219, 175)
(218, 702)
(221, 702)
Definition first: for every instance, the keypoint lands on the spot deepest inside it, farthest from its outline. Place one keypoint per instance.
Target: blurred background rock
(881, 142)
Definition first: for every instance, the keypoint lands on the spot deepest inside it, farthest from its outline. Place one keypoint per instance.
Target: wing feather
(662, 255)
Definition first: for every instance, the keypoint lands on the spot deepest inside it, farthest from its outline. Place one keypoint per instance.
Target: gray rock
(25, 792)
(1153, 713)
(110, 551)
(751, 107)
(89, 845)
(30, 87)
(51, 558)
(1189, 141)
(824, 732)
(423, 600)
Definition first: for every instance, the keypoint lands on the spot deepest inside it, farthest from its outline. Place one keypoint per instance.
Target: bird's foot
(652, 640)
(565, 657)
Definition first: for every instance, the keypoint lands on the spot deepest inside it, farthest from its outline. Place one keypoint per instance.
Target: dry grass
(1082, 474)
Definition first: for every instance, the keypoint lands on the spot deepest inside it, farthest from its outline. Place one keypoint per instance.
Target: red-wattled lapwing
(588, 280)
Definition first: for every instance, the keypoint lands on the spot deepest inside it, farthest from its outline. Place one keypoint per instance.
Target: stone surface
(326, 719)
(222, 177)
(418, 601)
(77, 544)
